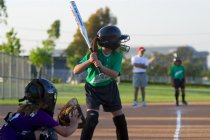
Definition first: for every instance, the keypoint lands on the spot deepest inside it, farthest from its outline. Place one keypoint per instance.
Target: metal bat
(80, 23)
(81, 27)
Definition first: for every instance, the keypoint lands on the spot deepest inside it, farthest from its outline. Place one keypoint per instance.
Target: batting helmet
(111, 37)
(176, 59)
(41, 90)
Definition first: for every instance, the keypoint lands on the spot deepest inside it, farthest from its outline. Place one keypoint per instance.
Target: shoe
(143, 104)
(184, 103)
(135, 104)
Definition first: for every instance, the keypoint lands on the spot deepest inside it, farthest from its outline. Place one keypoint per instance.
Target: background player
(177, 73)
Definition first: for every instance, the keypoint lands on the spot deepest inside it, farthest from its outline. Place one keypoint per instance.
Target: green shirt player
(103, 67)
(94, 78)
(177, 73)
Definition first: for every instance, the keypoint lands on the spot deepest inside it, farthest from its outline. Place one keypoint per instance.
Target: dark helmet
(111, 37)
(177, 59)
(41, 90)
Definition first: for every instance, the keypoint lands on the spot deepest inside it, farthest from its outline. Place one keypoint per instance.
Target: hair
(95, 44)
(28, 108)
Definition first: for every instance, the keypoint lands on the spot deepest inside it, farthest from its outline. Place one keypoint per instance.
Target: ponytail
(95, 44)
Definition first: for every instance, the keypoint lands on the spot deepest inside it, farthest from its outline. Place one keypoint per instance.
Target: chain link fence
(15, 73)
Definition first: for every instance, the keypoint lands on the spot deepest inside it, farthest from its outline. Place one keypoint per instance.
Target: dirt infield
(154, 122)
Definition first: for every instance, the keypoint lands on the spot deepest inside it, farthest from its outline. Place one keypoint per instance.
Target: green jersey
(177, 72)
(112, 61)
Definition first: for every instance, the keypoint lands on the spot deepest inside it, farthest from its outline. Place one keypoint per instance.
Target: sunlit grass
(154, 94)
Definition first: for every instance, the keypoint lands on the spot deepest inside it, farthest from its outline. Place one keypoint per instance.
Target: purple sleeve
(45, 119)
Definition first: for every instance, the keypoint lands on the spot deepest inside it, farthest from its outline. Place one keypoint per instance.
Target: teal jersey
(177, 72)
(112, 61)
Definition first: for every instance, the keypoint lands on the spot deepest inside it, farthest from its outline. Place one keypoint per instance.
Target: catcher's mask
(41, 90)
(111, 37)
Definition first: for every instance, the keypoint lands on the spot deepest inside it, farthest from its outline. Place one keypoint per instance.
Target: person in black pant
(177, 73)
(101, 88)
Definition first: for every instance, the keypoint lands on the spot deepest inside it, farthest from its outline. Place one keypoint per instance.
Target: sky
(151, 23)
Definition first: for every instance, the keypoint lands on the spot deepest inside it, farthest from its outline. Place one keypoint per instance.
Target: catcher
(34, 119)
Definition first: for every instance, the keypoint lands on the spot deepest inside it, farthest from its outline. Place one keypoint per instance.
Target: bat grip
(91, 50)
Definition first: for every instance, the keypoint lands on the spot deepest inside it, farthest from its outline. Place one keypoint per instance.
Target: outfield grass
(154, 94)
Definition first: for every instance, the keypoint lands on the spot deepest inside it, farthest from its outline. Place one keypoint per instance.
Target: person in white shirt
(140, 80)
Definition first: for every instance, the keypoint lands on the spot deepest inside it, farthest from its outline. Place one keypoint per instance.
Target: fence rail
(15, 72)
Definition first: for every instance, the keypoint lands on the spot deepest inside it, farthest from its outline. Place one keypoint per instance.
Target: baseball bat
(80, 23)
(81, 26)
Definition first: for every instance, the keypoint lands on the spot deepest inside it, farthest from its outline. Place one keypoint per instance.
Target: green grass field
(154, 94)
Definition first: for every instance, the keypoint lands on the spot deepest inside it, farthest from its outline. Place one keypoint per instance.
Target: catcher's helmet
(111, 37)
(41, 90)
(177, 59)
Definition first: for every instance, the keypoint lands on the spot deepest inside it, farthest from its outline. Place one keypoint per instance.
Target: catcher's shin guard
(121, 127)
(89, 127)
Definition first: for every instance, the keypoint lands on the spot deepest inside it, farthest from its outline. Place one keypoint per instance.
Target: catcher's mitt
(68, 108)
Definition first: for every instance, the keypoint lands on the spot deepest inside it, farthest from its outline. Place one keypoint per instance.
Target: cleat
(143, 104)
(135, 104)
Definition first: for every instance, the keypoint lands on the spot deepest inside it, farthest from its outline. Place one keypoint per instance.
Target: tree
(195, 66)
(3, 11)
(41, 56)
(13, 43)
(53, 34)
(78, 48)
(54, 31)
(12, 46)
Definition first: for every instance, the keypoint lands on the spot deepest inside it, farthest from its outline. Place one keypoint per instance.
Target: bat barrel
(81, 26)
